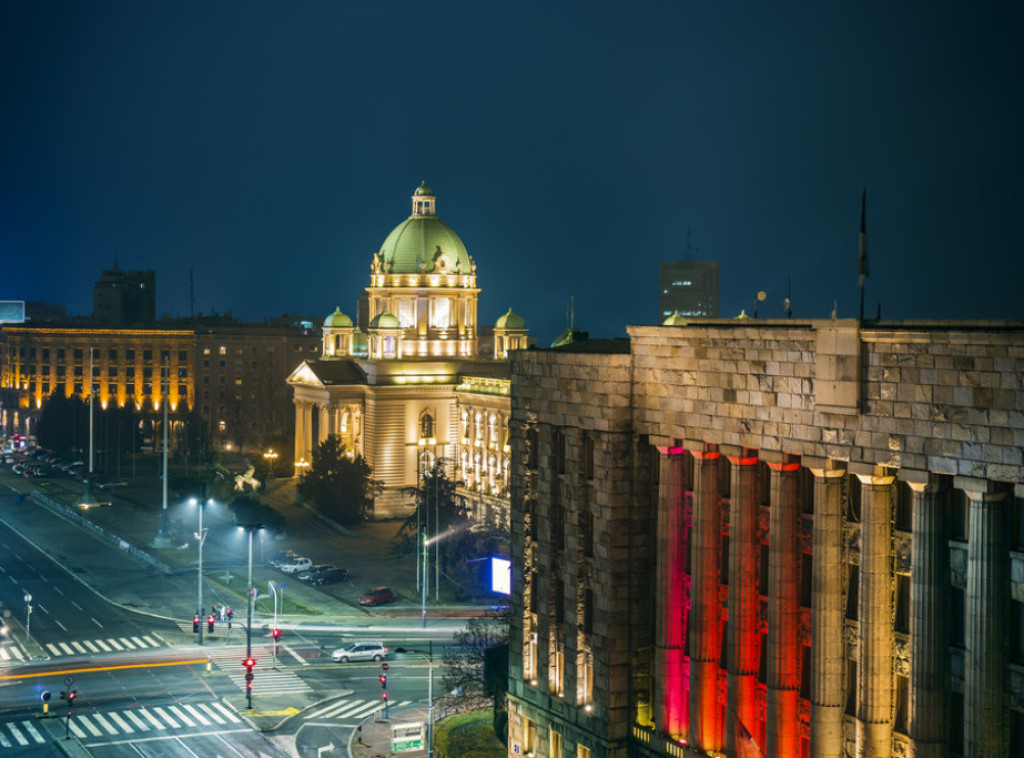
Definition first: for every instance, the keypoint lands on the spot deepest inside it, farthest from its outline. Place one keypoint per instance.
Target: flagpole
(862, 250)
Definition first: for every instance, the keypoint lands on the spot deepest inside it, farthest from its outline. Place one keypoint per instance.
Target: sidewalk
(373, 738)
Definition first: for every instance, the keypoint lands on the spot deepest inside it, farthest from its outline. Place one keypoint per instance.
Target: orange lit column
(673, 599)
(874, 682)
(988, 593)
(827, 646)
(929, 620)
(705, 622)
(742, 654)
(299, 430)
(782, 733)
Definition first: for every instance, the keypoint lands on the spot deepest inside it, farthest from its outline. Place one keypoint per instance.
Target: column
(307, 430)
(742, 649)
(300, 440)
(705, 622)
(323, 422)
(929, 622)
(874, 681)
(673, 599)
(782, 733)
(827, 647)
(988, 595)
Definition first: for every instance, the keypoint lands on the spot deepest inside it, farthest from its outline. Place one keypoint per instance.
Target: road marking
(151, 641)
(52, 648)
(166, 717)
(224, 711)
(21, 738)
(97, 623)
(115, 644)
(92, 647)
(78, 606)
(88, 725)
(138, 642)
(151, 719)
(31, 729)
(179, 738)
(125, 726)
(58, 589)
(295, 655)
(139, 723)
(60, 625)
(77, 730)
(79, 647)
(181, 715)
(66, 648)
(4, 742)
(41, 607)
(103, 645)
(104, 723)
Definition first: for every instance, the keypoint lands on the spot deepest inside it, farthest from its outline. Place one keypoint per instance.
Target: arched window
(479, 422)
(464, 418)
(426, 425)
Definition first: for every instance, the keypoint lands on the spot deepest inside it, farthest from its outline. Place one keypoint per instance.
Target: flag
(862, 245)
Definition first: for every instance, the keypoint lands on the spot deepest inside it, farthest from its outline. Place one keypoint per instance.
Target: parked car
(360, 651)
(280, 557)
(330, 577)
(295, 565)
(313, 571)
(377, 596)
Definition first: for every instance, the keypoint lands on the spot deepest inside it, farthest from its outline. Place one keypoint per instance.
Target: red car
(377, 596)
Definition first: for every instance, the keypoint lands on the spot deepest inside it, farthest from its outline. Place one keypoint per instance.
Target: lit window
(440, 313)
(407, 313)
(223, 350)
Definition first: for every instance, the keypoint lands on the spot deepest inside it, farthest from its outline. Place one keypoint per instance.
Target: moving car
(360, 651)
(295, 565)
(377, 596)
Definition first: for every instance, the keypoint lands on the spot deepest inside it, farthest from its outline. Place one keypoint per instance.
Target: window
(902, 603)
(426, 426)
(588, 457)
(129, 355)
(112, 354)
(852, 588)
(588, 611)
(529, 736)
(555, 739)
(206, 351)
(582, 751)
(440, 313)
(78, 355)
(585, 685)
(587, 533)
(557, 682)
(532, 443)
(147, 355)
(182, 356)
(223, 350)
(406, 313)
(559, 443)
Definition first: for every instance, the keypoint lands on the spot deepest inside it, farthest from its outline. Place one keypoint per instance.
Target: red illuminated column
(742, 654)
(705, 622)
(929, 621)
(783, 675)
(673, 598)
(874, 681)
(827, 646)
(988, 591)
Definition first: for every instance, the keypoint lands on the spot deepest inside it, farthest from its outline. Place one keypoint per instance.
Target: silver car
(360, 651)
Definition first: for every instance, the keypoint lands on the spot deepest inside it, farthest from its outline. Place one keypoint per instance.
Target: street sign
(69, 680)
(407, 737)
(384, 666)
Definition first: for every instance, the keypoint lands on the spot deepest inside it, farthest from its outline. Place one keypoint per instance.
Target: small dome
(385, 320)
(423, 189)
(674, 320)
(510, 321)
(337, 320)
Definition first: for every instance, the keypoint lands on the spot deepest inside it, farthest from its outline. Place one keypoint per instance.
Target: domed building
(416, 381)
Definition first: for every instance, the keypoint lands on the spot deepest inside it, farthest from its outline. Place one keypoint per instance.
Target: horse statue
(245, 482)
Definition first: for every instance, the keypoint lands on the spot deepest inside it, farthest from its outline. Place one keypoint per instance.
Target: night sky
(270, 148)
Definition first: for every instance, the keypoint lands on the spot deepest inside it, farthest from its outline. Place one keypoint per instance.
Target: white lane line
(152, 642)
(4, 742)
(78, 606)
(41, 607)
(88, 725)
(60, 625)
(166, 717)
(138, 642)
(141, 725)
(224, 711)
(103, 646)
(151, 719)
(52, 648)
(359, 713)
(97, 623)
(77, 730)
(295, 655)
(55, 587)
(79, 647)
(67, 648)
(197, 715)
(181, 715)
(115, 644)
(92, 647)
(212, 713)
(104, 723)
(21, 738)
(125, 726)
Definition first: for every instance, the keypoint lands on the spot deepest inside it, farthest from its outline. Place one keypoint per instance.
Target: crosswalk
(11, 652)
(351, 712)
(149, 720)
(267, 679)
(101, 646)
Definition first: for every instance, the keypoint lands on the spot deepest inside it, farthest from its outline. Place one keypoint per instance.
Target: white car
(298, 563)
(360, 651)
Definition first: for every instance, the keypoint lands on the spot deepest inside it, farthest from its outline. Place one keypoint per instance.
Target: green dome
(674, 320)
(510, 321)
(423, 238)
(337, 320)
(384, 320)
(423, 189)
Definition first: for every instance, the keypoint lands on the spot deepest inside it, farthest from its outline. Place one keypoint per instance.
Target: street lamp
(429, 655)
(250, 528)
(270, 457)
(28, 619)
(301, 466)
(200, 539)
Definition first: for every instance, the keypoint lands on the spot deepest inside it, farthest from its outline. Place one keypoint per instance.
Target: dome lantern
(424, 201)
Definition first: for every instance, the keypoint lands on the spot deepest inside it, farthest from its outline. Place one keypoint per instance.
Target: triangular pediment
(305, 375)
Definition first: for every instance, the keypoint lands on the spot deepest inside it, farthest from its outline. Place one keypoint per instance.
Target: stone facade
(858, 489)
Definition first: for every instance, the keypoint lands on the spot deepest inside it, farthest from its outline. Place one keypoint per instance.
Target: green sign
(406, 744)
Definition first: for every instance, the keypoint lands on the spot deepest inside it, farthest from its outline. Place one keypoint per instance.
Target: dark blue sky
(270, 147)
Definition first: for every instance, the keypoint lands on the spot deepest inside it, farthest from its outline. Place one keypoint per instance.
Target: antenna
(191, 296)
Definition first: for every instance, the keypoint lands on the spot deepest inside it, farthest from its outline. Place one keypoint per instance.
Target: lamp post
(250, 528)
(301, 466)
(274, 590)
(271, 457)
(429, 655)
(423, 594)
(28, 619)
(200, 539)
(163, 537)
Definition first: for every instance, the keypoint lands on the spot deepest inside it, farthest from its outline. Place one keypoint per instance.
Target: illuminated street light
(271, 458)
(200, 536)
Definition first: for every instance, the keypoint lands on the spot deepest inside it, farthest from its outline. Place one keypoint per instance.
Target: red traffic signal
(195, 623)
(383, 680)
(72, 694)
(209, 622)
(249, 663)
(277, 634)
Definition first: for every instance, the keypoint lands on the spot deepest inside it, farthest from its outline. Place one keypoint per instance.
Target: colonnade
(315, 421)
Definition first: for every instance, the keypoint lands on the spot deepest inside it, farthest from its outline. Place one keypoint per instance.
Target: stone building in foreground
(753, 538)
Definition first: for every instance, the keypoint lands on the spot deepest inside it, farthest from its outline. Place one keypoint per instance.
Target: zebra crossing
(101, 646)
(346, 711)
(267, 680)
(9, 653)
(147, 720)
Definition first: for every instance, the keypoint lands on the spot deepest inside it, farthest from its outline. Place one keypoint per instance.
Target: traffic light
(277, 634)
(72, 695)
(195, 624)
(248, 663)
(384, 685)
(209, 622)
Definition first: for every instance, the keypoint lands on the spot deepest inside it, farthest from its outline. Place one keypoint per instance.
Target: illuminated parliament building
(769, 538)
(411, 379)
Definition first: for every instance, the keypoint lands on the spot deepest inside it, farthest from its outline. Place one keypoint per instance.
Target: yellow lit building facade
(412, 384)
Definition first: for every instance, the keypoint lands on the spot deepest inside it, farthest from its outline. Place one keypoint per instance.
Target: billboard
(12, 311)
(501, 575)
